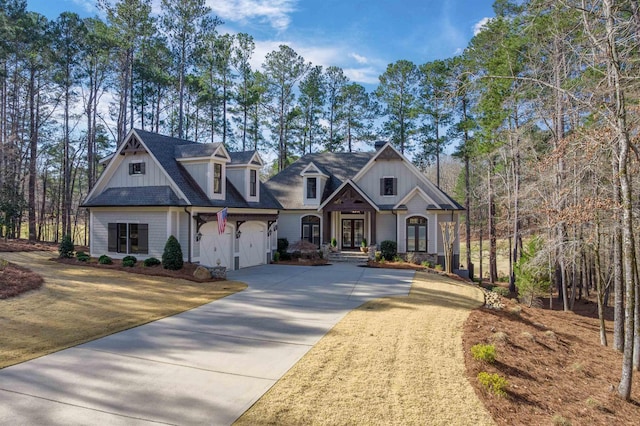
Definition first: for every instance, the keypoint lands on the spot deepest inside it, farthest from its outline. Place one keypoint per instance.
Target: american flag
(222, 220)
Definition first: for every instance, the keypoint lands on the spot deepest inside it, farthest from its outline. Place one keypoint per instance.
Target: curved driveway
(204, 366)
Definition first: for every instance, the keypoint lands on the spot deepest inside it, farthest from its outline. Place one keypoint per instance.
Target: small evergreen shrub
(66, 248)
(398, 259)
(283, 245)
(130, 263)
(334, 242)
(378, 256)
(130, 259)
(427, 264)
(438, 267)
(486, 353)
(493, 383)
(363, 243)
(172, 256)
(82, 256)
(276, 256)
(105, 260)
(389, 249)
(504, 292)
(152, 261)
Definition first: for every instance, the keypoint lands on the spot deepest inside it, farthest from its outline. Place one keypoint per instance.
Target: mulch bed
(186, 273)
(26, 245)
(557, 371)
(15, 280)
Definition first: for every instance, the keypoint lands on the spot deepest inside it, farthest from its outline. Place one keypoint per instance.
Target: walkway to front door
(352, 233)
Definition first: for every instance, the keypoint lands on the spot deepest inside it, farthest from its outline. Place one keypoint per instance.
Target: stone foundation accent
(218, 272)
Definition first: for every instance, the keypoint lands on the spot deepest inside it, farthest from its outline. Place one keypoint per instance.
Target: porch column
(326, 227)
(372, 215)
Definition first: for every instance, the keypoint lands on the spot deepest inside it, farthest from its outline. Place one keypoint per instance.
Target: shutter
(395, 186)
(143, 238)
(130, 168)
(381, 186)
(142, 168)
(112, 238)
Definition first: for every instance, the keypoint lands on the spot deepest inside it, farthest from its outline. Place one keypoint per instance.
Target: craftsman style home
(214, 203)
(156, 186)
(372, 196)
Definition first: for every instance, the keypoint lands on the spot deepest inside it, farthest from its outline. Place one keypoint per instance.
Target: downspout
(190, 236)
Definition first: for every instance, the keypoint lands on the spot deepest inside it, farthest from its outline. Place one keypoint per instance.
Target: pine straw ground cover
(78, 304)
(557, 371)
(392, 361)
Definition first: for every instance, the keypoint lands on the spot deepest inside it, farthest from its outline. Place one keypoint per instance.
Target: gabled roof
(312, 169)
(415, 191)
(287, 188)
(246, 158)
(352, 184)
(184, 191)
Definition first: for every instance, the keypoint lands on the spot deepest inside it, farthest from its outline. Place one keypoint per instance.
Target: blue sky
(360, 36)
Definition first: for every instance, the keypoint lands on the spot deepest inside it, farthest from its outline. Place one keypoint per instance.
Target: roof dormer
(207, 165)
(244, 174)
(314, 180)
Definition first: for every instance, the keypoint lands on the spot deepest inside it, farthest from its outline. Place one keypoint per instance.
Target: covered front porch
(351, 218)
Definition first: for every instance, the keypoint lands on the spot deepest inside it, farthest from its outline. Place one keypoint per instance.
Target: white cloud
(88, 5)
(360, 59)
(479, 26)
(367, 75)
(274, 12)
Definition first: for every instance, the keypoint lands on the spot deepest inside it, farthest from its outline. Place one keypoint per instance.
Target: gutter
(190, 236)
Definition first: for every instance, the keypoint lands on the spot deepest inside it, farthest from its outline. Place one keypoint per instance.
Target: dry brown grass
(79, 304)
(391, 361)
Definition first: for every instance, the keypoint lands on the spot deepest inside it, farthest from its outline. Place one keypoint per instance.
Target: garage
(252, 242)
(214, 246)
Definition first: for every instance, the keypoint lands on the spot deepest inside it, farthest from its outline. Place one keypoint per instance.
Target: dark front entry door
(352, 233)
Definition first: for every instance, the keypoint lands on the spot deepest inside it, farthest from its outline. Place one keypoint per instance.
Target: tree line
(542, 105)
(174, 74)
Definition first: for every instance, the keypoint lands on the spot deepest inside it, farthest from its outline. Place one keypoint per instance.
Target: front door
(352, 233)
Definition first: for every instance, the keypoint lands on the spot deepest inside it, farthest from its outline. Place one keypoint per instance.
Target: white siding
(289, 225)
(370, 181)
(237, 178)
(183, 231)
(153, 176)
(200, 173)
(385, 228)
(156, 219)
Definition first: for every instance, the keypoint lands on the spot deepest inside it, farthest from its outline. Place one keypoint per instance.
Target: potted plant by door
(334, 244)
(363, 246)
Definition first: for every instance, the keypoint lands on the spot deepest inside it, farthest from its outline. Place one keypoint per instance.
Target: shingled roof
(287, 188)
(167, 150)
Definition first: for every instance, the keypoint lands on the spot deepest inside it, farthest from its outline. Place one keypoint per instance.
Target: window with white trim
(253, 183)
(312, 188)
(217, 178)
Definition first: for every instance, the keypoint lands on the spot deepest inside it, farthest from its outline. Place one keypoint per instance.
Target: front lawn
(79, 304)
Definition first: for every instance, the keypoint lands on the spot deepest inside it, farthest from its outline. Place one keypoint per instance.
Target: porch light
(238, 233)
(198, 236)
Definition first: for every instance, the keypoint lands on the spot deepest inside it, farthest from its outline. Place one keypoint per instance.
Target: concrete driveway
(204, 366)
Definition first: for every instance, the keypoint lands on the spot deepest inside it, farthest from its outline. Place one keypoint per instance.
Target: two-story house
(375, 196)
(156, 186)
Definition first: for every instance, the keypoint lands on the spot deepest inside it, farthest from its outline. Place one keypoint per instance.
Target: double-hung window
(217, 178)
(312, 188)
(253, 183)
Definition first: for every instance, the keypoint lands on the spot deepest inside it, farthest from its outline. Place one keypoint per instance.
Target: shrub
(105, 260)
(334, 242)
(427, 264)
(389, 249)
(486, 353)
(129, 259)
(296, 255)
(532, 273)
(283, 245)
(378, 256)
(504, 292)
(493, 383)
(398, 259)
(276, 256)
(438, 267)
(172, 256)
(128, 262)
(152, 261)
(82, 256)
(66, 248)
(363, 243)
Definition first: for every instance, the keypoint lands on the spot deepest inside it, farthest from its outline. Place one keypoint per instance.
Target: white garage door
(252, 244)
(214, 246)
